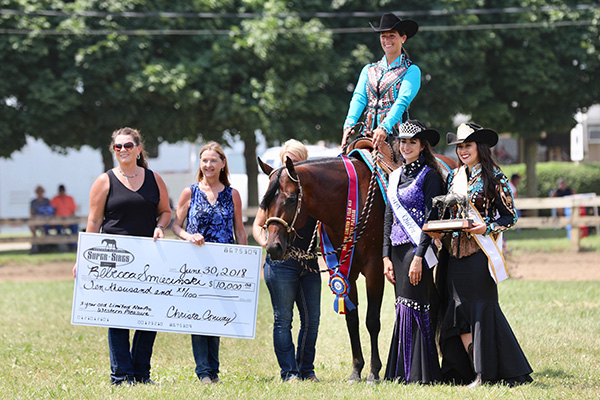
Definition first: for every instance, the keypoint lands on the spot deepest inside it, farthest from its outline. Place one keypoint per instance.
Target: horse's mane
(317, 161)
(271, 191)
(274, 184)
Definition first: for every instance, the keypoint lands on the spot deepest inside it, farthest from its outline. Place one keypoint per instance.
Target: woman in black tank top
(129, 200)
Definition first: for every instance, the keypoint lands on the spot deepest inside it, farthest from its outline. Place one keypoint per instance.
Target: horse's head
(438, 201)
(282, 203)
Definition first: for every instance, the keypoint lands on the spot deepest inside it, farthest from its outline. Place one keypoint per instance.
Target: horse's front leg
(352, 323)
(375, 286)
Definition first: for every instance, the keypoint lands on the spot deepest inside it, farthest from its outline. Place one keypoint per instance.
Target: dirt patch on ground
(538, 266)
(46, 272)
(556, 266)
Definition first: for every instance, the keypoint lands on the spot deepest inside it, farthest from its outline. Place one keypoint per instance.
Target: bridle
(303, 255)
(288, 227)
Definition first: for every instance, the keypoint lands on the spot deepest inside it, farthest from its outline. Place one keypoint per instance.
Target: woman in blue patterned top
(476, 340)
(385, 88)
(213, 210)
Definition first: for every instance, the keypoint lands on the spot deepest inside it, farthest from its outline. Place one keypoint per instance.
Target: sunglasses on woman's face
(128, 146)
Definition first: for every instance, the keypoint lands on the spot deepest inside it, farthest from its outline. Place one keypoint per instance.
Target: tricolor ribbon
(338, 279)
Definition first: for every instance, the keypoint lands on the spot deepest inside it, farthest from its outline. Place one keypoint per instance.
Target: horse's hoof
(372, 379)
(355, 377)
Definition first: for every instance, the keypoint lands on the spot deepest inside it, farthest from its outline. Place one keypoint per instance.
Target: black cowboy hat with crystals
(391, 22)
(414, 129)
(470, 132)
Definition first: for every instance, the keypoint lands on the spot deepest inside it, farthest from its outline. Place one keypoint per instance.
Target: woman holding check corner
(213, 211)
(129, 200)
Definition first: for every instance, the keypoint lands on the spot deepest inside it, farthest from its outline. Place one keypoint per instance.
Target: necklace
(129, 176)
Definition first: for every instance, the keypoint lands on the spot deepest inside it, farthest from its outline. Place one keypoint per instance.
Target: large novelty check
(168, 285)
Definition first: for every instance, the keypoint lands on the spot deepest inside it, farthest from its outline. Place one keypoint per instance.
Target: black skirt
(473, 307)
(413, 356)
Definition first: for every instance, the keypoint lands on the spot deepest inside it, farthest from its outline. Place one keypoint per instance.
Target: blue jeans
(130, 364)
(206, 355)
(289, 282)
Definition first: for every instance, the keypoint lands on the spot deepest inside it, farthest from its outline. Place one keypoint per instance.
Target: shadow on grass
(553, 374)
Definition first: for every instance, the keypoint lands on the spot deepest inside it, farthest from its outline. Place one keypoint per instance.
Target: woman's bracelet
(162, 228)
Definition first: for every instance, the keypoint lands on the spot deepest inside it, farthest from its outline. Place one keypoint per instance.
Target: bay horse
(319, 188)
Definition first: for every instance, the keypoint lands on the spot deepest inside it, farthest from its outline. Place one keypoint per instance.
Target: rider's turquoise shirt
(402, 91)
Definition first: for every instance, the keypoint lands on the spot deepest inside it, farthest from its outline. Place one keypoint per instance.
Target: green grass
(43, 356)
(546, 241)
(22, 257)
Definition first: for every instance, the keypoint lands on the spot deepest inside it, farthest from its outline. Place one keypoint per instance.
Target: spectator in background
(515, 179)
(561, 191)
(64, 206)
(40, 207)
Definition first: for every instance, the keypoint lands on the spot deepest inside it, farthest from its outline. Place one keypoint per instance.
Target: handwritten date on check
(168, 285)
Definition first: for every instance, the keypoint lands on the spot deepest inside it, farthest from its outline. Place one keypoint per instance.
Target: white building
(36, 164)
(591, 130)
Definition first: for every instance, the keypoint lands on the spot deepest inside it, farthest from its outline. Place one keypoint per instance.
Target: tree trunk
(530, 163)
(107, 158)
(251, 168)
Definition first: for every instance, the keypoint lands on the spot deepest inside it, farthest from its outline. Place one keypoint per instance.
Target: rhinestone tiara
(409, 128)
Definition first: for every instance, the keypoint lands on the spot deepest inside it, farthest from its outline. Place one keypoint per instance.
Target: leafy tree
(526, 79)
(270, 74)
(73, 90)
(287, 76)
(526, 72)
(560, 76)
(273, 74)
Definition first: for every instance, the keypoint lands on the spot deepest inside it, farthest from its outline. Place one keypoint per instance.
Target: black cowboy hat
(414, 129)
(471, 132)
(390, 22)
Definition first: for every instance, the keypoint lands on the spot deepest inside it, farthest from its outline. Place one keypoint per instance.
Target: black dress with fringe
(413, 356)
(471, 295)
(473, 307)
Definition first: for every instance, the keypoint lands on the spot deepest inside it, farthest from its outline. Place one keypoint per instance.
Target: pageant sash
(492, 248)
(409, 225)
(338, 279)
